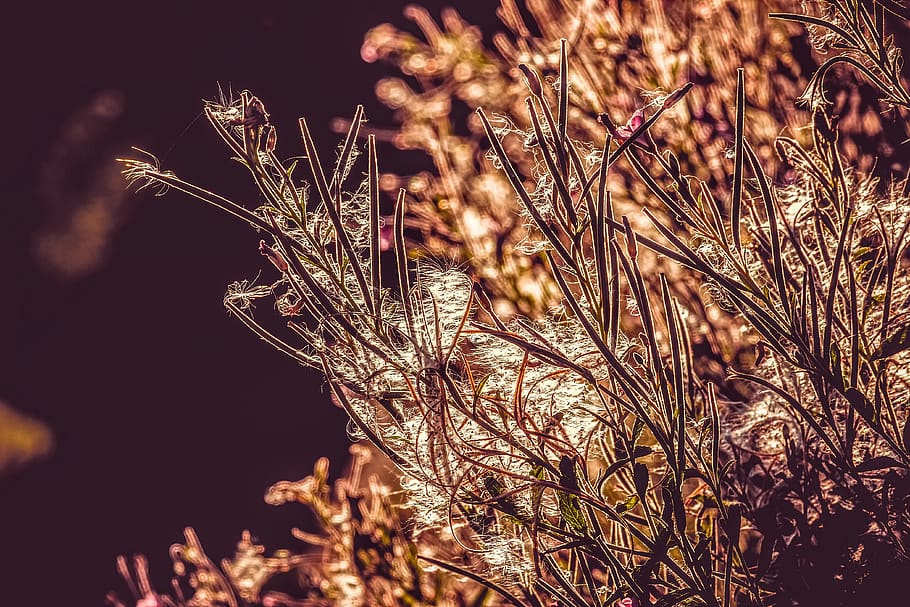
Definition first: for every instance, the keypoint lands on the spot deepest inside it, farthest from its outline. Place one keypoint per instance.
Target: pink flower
(628, 129)
(386, 235)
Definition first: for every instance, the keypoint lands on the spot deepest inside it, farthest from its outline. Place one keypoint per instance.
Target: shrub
(571, 400)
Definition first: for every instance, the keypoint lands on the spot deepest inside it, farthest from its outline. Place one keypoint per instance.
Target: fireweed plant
(577, 453)
(464, 210)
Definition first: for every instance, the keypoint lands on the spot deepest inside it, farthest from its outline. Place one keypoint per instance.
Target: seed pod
(274, 256)
(631, 243)
(676, 96)
(532, 78)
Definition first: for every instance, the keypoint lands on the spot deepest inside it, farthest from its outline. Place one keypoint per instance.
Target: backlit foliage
(673, 367)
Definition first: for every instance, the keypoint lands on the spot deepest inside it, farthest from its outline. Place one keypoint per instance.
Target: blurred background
(131, 405)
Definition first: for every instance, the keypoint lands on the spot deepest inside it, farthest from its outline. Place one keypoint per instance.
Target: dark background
(166, 412)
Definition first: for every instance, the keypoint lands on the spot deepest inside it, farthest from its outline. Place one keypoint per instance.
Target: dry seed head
(143, 172)
(507, 559)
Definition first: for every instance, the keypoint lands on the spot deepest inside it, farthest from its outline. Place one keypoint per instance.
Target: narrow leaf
(736, 204)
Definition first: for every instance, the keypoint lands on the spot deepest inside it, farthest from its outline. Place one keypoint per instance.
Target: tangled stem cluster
(569, 420)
